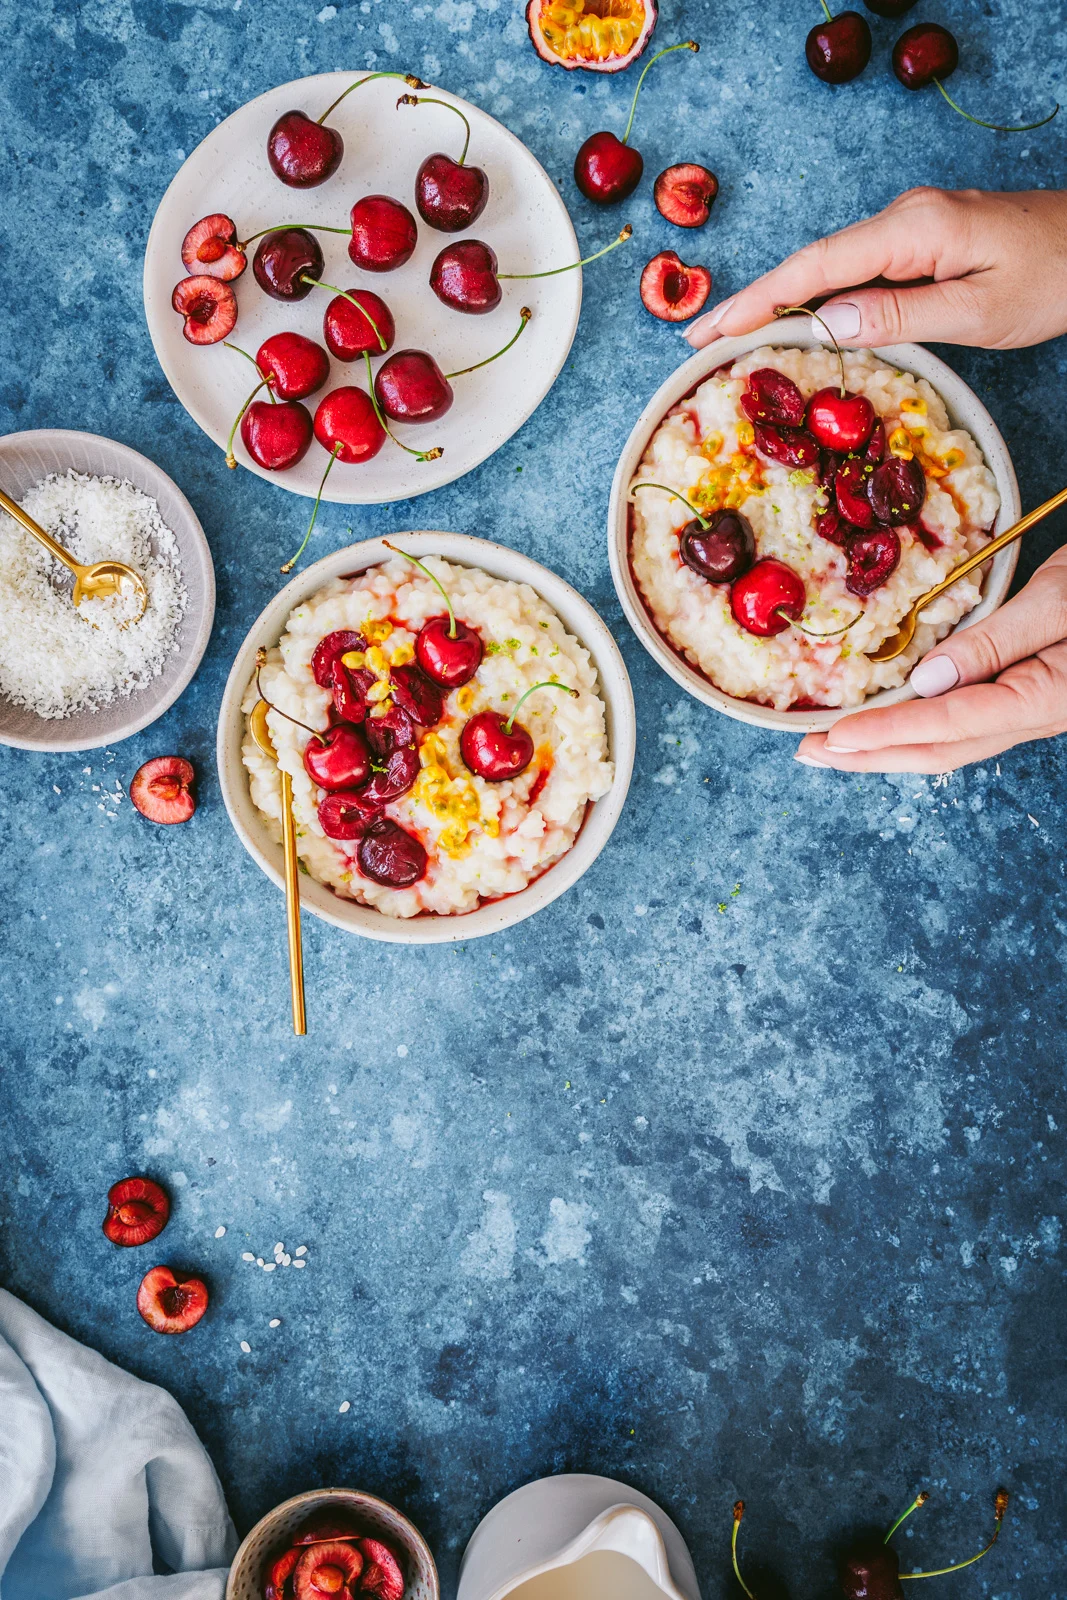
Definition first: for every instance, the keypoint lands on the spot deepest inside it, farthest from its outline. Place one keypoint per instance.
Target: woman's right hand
(978, 269)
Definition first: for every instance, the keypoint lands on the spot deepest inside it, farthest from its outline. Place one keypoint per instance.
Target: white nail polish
(934, 676)
(809, 761)
(842, 749)
(710, 318)
(842, 320)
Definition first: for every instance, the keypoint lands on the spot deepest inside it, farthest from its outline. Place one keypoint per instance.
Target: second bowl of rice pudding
(841, 594)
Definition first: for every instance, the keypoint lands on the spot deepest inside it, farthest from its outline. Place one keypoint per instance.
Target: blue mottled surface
(738, 1170)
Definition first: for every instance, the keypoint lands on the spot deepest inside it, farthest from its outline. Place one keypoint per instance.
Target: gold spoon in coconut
(257, 727)
(99, 580)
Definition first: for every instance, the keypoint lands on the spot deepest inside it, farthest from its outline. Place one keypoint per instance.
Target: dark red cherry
(449, 661)
(293, 366)
(284, 260)
(876, 444)
(348, 333)
(838, 50)
(338, 758)
(350, 686)
(898, 490)
(347, 815)
(401, 768)
(393, 729)
(391, 856)
(346, 421)
(772, 397)
(277, 436)
(329, 651)
(303, 153)
(791, 446)
(411, 387)
(830, 524)
(464, 276)
(414, 693)
(606, 170)
(872, 557)
(870, 1572)
(449, 196)
(840, 422)
(761, 594)
(720, 552)
(852, 491)
(384, 233)
(491, 751)
(923, 53)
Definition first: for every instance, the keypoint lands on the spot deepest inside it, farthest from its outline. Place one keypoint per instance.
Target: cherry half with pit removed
(773, 398)
(839, 48)
(607, 168)
(382, 1577)
(170, 1302)
(209, 307)
(391, 856)
(327, 1568)
(873, 556)
(211, 248)
(852, 483)
(897, 490)
(496, 747)
(792, 447)
(303, 153)
(465, 276)
(137, 1211)
(672, 291)
(449, 195)
(685, 194)
(328, 652)
(162, 789)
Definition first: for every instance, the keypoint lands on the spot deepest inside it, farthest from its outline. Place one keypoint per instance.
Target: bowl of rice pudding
(430, 805)
(762, 590)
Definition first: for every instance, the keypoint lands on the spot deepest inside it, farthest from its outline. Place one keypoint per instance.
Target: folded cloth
(100, 1473)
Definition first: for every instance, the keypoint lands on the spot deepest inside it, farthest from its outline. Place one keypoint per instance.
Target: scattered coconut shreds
(268, 1266)
(346, 1405)
(299, 1263)
(275, 1322)
(220, 1233)
(301, 1250)
(246, 1347)
(56, 659)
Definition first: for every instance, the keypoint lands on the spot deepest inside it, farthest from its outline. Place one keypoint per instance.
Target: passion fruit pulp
(597, 35)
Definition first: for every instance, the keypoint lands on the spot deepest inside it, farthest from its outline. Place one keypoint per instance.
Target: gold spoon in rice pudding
(898, 642)
(99, 580)
(257, 727)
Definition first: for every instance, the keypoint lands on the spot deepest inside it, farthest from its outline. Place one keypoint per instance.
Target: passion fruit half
(597, 35)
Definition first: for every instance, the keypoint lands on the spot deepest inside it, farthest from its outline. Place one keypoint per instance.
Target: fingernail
(841, 749)
(934, 676)
(710, 318)
(809, 761)
(842, 320)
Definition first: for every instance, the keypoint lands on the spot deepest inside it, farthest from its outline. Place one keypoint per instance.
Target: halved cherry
(414, 693)
(349, 814)
(137, 1210)
(684, 194)
(401, 770)
(830, 524)
(382, 1576)
(329, 651)
(773, 398)
(872, 558)
(898, 489)
(672, 291)
(170, 1302)
(279, 1571)
(350, 685)
(209, 307)
(389, 732)
(211, 247)
(763, 593)
(162, 789)
(325, 1526)
(327, 1569)
(791, 446)
(852, 491)
(391, 856)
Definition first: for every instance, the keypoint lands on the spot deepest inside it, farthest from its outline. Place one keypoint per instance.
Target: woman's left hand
(994, 685)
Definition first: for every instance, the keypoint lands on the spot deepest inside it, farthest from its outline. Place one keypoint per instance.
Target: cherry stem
(704, 523)
(261, 662)
(280, 227)
(997, 127)
(834, 633)
(352, 302)
(231, 459)
(424, 568)
(549, 684)
(524, 316)
(408, 78)
(1000, 1505)
(739, 1511)
(266, 376)
(420, 455)
(829, 13)
(920, 1500)
(687, 44)
(787, 311)
(554, 271)
(334, 453)
(413, 100)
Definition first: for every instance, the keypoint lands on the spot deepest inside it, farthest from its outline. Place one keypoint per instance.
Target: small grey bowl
(26, 458)
(271, 1533)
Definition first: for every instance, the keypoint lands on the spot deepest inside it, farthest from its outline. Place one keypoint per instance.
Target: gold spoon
(257, 726)
(98, 581)
(898, 642)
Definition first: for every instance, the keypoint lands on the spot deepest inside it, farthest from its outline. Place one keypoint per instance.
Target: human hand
(986, 688)
(998, 264)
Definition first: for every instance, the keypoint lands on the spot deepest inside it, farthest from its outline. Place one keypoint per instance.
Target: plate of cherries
(354, 284)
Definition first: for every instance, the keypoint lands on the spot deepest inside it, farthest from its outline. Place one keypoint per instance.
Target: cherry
(346, 424)
(382, 1577)
(416, 695)
(871, 1571)
(338, 758)
(447, 650)
(839, 420)
(720, 549)
(927, 53)
(137, 1210)
(326, 1568)
(760, 596)
(791, 446)
(275, 436)
(830, 524)
(897, 490)
(496, 747)
(347, 814)
(169, 1303)
(448, 194)
(607, 168)
(685, 194)
(402, 767)
(672, 291)
(303, 153)
(209, 307)
(465, 277)
(287, 262)
(280, 1570)
(323, 1527)
(350, 686)
(772, 397)
(392, 731)
(357, 321)
(410, 387)
(384, 234)
(393, 857)
(293, 365)
(162, 790)
(876, 444)
(852, 492)
(839, 48)
(873, 556)
(328, 652)
(210, 248)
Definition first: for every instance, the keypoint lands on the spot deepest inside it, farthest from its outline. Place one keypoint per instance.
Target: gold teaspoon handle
(13, 509)
(980, 557)
(292, 907)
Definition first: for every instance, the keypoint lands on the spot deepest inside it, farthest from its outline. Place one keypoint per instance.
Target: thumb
(953, 312)
(1035, 619)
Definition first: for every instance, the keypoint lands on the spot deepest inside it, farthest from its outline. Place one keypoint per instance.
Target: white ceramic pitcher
(577, 1537)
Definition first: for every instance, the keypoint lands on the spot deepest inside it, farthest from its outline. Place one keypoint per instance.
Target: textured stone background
(739, 1170)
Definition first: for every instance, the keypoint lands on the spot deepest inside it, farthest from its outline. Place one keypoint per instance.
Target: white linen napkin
(98, 1470)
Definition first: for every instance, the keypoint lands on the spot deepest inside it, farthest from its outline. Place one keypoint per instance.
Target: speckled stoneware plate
(965, 411)
(525, 222)
(493, 916)
(26, 458)
(270, 1536)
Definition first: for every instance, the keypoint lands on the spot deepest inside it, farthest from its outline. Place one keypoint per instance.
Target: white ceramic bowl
(580, 620)
(26, 458)
(965, 411)
(270, 1535)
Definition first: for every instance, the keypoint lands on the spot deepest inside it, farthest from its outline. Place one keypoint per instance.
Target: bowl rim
(313, 1497)
(493, 916)
(145, 475)
(795, 332)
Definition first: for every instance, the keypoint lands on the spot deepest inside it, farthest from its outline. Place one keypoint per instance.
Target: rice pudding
(843, 540)
(382, 694)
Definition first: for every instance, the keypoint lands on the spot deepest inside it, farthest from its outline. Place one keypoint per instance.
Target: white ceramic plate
(965, 411)
(525, 222)
(578, 617)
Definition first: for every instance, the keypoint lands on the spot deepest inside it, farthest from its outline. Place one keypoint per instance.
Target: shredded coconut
(57, 659)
